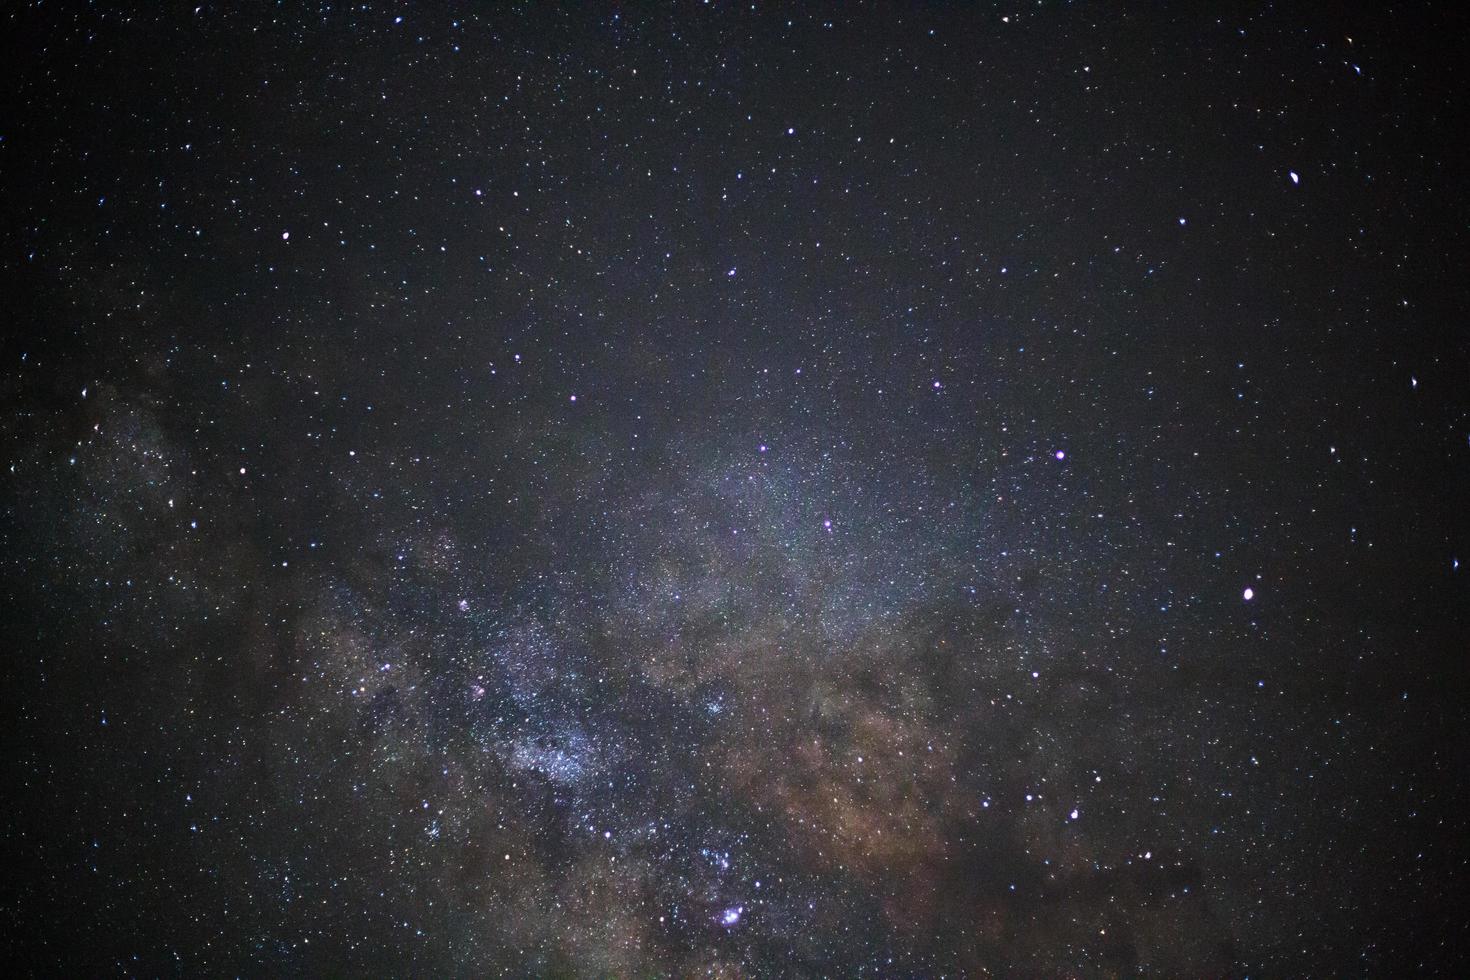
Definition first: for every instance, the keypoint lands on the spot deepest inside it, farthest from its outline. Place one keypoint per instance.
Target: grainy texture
(733, 490)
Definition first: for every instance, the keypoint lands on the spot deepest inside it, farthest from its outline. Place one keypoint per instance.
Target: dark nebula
(734, 490)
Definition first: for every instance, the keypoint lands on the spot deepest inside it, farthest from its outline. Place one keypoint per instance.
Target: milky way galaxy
(709, 490)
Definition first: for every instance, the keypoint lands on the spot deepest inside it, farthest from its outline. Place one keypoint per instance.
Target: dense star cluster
(734, 490)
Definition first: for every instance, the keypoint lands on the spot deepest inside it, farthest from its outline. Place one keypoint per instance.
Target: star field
(734, 490)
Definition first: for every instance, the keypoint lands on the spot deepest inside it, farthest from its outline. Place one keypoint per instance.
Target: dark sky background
(734, 490)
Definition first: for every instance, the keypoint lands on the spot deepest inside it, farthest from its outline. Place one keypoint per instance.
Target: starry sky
(734, 490)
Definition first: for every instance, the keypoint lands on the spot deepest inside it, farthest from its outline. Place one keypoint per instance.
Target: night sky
(734, 490)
